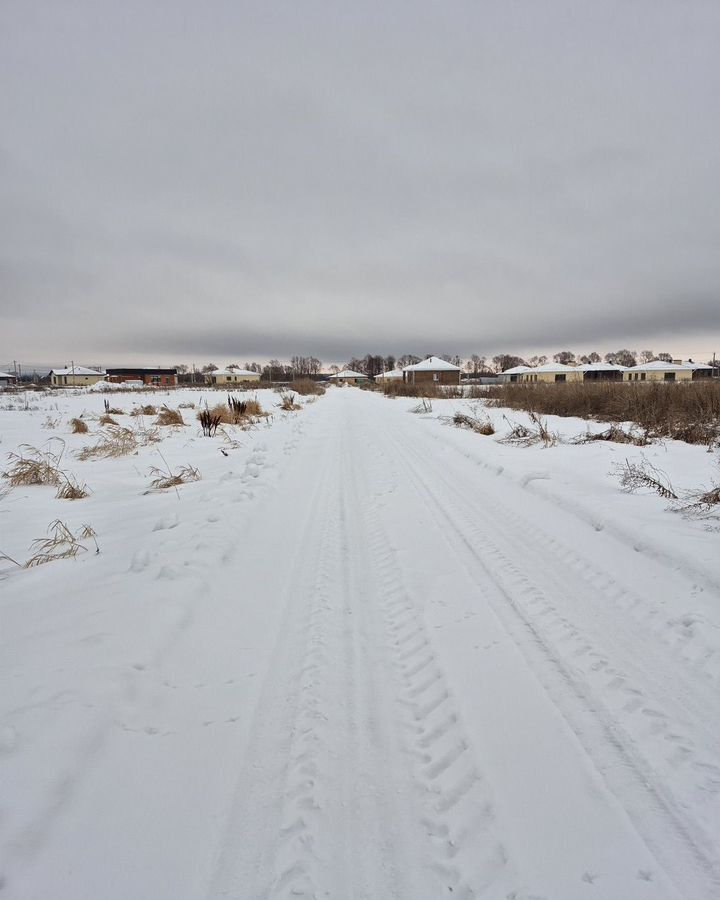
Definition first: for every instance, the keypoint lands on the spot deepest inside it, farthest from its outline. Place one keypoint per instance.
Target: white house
(602, 371)
(75, 376)
(347, 376)
(392, 375)
(512, 374)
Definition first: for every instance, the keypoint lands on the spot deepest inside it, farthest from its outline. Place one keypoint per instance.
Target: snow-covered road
(372, 663)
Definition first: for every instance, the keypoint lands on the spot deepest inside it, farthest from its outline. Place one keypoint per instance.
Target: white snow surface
(368, 655)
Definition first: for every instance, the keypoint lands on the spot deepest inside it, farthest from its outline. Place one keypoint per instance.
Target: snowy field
(367, 655)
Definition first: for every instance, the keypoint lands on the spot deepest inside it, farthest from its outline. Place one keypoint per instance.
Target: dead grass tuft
(163, 479)
(116, 440)
(147, 410)
(61, 543)
(472, 423)
(78, 426)
(424, 406)
(71, 489)
(106, 419)
(616, 435)
(287, 402)
(33, 466)
(168, 416)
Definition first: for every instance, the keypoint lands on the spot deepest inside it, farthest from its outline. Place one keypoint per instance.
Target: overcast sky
(227, 181)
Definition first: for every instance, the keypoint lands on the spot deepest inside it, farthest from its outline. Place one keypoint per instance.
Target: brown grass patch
(168, 416)
(147, 410)
(472, 423)
(307, 387)
(71, 489)
(78, 426)
(33, 466)
(106, 419)
(287, 402)
(163, 479)
(685, 411)
(116, 440)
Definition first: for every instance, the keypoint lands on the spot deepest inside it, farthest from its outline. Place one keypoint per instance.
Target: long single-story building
(232, 376)
(551, 372)
(658, 370)
(510, 375)
(75, 376)
(6, 379)
(153, 377)
(432, 370)
(602, 371)
(347, 376)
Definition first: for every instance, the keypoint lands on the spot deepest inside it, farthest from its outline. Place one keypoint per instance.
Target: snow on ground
(368, 655)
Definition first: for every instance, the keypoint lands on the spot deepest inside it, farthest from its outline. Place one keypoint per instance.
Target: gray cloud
(256, 180)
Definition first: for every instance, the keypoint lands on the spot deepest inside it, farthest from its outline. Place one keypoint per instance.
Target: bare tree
(504, 361)
(565, 358)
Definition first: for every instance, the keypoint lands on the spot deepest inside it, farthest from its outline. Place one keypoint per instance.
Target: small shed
(658, 370)
(75, 376)
(347, 376)
(6, 379)
(432, 370)
(226, 377)
(512, 374)
(552, 373)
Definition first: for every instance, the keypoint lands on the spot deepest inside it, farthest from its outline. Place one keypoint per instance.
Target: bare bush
(635, 476)
(616, 435)
(527, 436)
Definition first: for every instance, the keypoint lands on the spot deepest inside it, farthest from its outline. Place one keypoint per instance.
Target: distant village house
(225, 377)
(151, 377)
(432, 370)
(75, 376)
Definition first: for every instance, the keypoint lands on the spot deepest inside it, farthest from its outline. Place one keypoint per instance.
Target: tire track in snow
(454, 802)
(666, 829)
(268, 848)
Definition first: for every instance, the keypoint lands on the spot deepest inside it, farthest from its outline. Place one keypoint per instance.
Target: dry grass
(78, 426)
(471, 422)
(168, 416)
(685, 411)
(616, 435)
(107, 419)
(147, 410)
(637, 475)
(527, 436)
(61, 543)
(307, 387)
(399, 388)
(164, 479)
(71, 489)
(116, 440)
(287, 402)
(186, 406)
(235, 412)
(33, 466)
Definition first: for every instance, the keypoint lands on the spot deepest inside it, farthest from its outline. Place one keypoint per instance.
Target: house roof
(77, 370)
(432, 364)
(516, 370)
(553, 367)
(693, 365)
(348, 373)
(657, 365)
(393, 373)
(601, 367)
(233, 372)
(6, 375)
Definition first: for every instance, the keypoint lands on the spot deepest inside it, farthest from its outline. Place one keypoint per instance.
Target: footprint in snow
(166, 523)
(140, 560)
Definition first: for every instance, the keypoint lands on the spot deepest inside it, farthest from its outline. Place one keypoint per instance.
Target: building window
(436, 376)
(669, 376)
(561, 377)
(642, 376)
